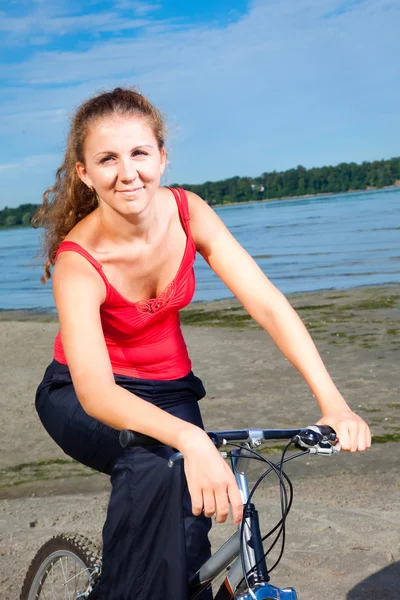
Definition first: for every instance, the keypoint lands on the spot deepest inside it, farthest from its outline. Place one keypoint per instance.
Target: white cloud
(27, 119)
(140, 8)
(60, 26)
(289, 82)
(29, 161)
(31, 23)
(272, 34)
(9, 167)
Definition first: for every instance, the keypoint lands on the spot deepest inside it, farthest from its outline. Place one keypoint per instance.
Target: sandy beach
(343, 533)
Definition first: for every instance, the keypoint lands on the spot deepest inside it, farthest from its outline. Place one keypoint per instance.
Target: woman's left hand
(352, 431)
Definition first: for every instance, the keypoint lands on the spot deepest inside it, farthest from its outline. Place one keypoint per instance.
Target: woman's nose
(127, 170)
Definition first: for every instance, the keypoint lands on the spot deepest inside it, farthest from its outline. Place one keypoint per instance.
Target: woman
(123, 249)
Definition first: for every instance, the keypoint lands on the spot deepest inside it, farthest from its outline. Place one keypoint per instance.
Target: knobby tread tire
(81, 546)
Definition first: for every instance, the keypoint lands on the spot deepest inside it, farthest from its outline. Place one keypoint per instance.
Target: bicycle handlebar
(306, 438)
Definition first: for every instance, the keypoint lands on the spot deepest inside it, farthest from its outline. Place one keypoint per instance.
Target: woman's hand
(211, 482)
(352, 431)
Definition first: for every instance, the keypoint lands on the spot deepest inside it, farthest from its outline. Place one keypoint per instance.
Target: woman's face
(123, 163)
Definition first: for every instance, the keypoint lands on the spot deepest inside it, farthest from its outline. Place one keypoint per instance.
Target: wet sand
(343, 534)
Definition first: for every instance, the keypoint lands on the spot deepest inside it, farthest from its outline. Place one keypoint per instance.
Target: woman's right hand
(211, 482)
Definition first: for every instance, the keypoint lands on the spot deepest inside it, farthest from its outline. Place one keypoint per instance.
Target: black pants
(152, 543)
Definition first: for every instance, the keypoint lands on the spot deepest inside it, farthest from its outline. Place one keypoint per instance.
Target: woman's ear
(163, 160)
(83, 176)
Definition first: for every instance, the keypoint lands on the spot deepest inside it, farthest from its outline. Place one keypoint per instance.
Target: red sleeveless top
(144, 339)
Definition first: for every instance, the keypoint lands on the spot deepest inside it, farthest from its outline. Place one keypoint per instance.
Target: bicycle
(242, 556)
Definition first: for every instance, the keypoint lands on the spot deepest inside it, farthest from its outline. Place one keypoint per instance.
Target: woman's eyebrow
(113, 151)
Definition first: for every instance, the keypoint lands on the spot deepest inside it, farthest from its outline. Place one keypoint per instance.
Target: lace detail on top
(153, 305)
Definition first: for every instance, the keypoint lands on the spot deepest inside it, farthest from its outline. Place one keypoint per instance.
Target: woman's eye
(106, 159)
(110, 158)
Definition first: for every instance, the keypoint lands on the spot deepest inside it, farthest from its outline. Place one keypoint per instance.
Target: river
(333, 242)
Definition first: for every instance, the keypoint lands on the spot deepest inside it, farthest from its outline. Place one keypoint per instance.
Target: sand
(343, 534)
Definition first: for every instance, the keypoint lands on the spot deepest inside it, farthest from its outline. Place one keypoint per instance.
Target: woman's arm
(79, 292)
(269, 307)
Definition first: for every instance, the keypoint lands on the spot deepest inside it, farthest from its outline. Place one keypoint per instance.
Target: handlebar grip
(127, 438)
(328, 432)
(133, 438)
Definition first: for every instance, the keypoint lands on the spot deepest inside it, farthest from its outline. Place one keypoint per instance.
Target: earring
(91, 188)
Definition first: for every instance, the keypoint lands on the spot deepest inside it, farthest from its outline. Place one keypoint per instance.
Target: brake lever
(324, 449)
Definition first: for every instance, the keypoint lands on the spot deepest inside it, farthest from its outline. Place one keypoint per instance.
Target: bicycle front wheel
(67, 566)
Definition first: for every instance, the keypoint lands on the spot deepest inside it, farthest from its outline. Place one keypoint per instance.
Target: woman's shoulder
(76, 254)
(198, 207)
(73, 272)
(84, 232)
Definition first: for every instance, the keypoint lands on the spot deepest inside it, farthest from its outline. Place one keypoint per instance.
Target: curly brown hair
(69, 200)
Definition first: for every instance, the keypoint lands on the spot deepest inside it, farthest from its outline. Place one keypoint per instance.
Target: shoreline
(50, 314)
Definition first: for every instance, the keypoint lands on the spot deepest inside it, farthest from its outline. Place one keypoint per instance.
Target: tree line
(300, 182)
(18, 217)
(284, 184)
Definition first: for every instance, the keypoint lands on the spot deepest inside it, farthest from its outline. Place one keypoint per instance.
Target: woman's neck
(123, 229)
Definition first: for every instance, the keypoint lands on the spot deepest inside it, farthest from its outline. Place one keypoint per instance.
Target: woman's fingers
(349, 436)
(368, 437)
(225, 495)
(356, 434)
(343, 435)
(361, 443)
(352, 431)
(196, 497)
(215, 500)
(364, 438)
(222, 502)
(209, 504)
(237, 503)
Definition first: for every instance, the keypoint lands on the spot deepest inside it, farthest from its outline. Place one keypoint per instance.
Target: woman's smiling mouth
(130, 192)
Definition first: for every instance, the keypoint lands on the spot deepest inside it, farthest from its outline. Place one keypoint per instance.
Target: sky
(246, 86)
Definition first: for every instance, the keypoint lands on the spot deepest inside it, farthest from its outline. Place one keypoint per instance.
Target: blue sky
(245, 86)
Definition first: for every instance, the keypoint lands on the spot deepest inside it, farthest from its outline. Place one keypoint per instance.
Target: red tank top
(144, 339)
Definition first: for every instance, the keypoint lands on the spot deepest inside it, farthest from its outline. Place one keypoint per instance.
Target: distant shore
(305, 196)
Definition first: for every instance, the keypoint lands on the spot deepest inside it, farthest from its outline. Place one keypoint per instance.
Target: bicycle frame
(252, 546)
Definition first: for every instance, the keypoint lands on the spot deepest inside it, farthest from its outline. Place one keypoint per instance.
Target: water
(336, 242)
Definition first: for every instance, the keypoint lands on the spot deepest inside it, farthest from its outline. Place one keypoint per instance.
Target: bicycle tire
(63, 546)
